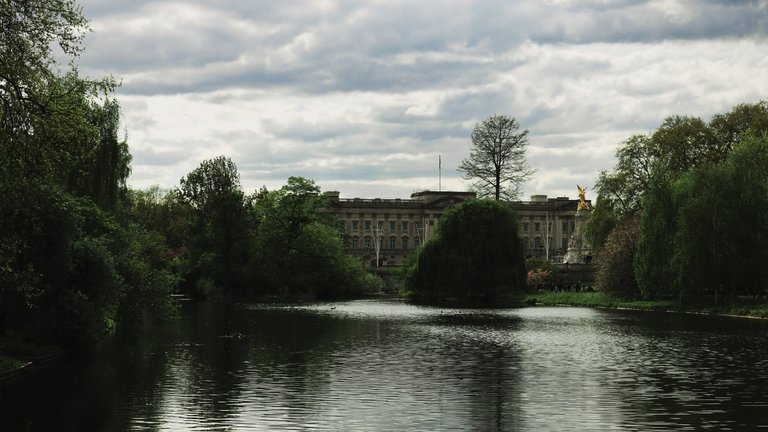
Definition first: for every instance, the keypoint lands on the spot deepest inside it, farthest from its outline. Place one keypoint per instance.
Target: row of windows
(386, 244)
(387, 216)
(538, 225)
(393, 226)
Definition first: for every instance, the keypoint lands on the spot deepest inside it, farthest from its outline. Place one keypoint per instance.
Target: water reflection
(387, 365)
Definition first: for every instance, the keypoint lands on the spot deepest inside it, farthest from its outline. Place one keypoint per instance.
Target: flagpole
(440, 173)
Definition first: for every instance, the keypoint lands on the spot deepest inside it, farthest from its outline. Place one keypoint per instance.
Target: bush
(474, 256)
(615, 265)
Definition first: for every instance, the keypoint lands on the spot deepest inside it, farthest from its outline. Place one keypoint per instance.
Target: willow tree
(705, 234)
(475, 255)
(496, 165)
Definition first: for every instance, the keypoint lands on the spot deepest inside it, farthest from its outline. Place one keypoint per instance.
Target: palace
(384, 232)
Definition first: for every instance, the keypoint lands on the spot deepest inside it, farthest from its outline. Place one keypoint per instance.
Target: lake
(386, 365)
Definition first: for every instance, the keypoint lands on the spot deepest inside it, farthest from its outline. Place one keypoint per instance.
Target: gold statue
(583, 204)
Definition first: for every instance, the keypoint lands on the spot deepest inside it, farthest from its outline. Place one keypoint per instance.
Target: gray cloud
(368, 93)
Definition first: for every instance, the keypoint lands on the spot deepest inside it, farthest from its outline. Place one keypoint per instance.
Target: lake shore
(741, 307)
(18, 356)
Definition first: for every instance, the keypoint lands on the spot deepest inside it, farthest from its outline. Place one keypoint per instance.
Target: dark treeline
(81, 254)
(684, 214)
(223, 243)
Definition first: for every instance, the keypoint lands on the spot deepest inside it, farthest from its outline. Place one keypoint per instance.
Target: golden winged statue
(583, 204)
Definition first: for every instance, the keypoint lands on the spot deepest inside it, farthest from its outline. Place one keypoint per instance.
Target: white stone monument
(578, 249)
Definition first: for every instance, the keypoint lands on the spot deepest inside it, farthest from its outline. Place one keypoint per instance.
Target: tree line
(283, 243)
(684, 213)
(81, 253)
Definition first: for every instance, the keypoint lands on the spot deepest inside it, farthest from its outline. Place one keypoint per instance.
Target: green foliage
(148, 281)
(705, 233)
(75, 269)
(106, 172)
(656, 243)
(743, 306)
(219, 242)
(69, 266)
(475, 256)
(299, 251)
(211, 184)
(677, 146)
(684, 172)
(602, 220)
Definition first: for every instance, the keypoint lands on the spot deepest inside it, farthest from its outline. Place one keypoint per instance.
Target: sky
(364, 96)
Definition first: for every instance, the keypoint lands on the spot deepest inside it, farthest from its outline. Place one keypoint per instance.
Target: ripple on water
(391, 366)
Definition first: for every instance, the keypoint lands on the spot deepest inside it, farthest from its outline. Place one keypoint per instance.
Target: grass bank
(747, 307)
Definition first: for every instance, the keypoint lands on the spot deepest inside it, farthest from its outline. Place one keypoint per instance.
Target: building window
(380, 225)
(392, 226)
(405, 227)
(405, 243)
(565, 243)
(573, 225)
(367, 242)
(354, 243)
(354, 226)
(416, 243)
(537, 227)
(525, 227)
(392, 243)
(565, 227)
(537, 243)
(367, 226)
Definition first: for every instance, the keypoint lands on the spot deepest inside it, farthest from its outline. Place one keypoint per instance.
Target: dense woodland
(684, 214)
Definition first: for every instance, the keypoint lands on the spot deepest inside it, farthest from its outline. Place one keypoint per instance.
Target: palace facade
(385, 232)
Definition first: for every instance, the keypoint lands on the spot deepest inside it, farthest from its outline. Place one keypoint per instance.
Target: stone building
(546, 225)
(386, 231)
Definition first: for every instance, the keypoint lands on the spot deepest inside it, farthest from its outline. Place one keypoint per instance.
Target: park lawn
(747, 307)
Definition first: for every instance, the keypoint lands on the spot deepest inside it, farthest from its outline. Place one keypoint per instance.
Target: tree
(615, 268)
(69, 264)
(42, 103)
(655, 248)
(743, 120)
(28, 32)
(475, 255)
(706, 232)
(299, 249)
(220, 242)
(496, 164)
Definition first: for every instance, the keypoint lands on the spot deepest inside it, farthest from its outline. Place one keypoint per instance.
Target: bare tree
(496, 164)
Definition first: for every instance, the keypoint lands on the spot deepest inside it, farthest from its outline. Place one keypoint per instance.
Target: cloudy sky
(364, 95)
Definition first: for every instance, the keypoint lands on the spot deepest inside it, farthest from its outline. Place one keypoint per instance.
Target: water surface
(391, 366)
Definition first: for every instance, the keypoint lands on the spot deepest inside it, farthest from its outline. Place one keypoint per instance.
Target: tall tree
(496, 164)
(299, 247)
(218, 247)
(42, 102)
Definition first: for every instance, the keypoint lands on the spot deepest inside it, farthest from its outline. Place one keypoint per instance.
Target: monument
(578, 251)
